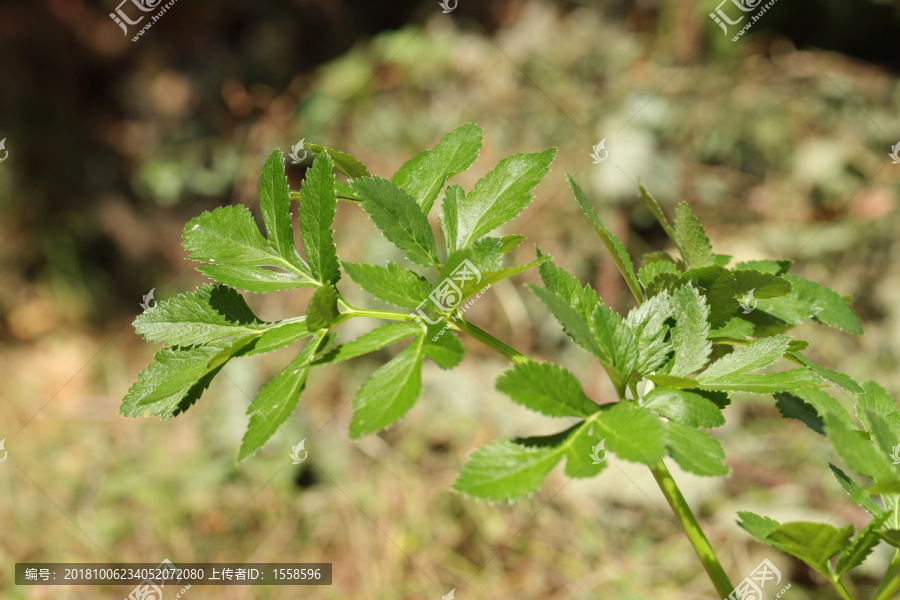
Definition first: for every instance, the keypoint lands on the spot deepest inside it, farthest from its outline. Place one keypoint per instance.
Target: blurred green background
(780, 142)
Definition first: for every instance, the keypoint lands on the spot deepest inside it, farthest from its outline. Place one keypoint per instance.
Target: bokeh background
(779, 141)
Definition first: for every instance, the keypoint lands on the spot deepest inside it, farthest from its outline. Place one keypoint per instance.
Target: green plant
(675, 360)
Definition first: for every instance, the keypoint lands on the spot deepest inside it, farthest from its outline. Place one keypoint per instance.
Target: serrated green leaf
(650, 271)
(695, 451)
(424, 175)
(654, 207)
(228, 240)
(617, 341)
(839, 379)
(322, 310)
(582, 298)
(177, 377)
(873, 398)
(378, 338)
(508, 243)
(859, 549)
(206, 314)
(316, 216)
(690, 335)
(751, 284)
(615, 248)
(775, 267)
(735, 329)
(399, 217)
(792, 407)
(445, 350)
(547, 389)
(631, 432)
(672, 381)
(390, 392)
(857, 451)
(454, 197)
(764, 384)
(486, 254)
(891, 536)
(683, 407)
(488, 278)
(501, 195)
(718, 286)
(857, 493)
(278, 398)
(648, 322)
(573, 323)
(809, 299)
(809, 406)
(691, 237)
(275, 206)
(279, 335)
(393, 284)
(813, 543)
(885, 438)
(506, 471)
(582, 446)
(345, 163)
(758, 355)
(757, 526)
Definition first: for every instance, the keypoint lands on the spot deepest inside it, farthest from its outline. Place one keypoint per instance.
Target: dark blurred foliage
(114, 144)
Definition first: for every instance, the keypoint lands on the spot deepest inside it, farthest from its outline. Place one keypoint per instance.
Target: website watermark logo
(3, 449)
(296, 450)
(596, 450)
(295, 151)
(601, 147)
(149, 590)
(148, 298)
(450, 596)
(123, 18)
(895, 455)
(748, 302)
(449, 6)
(5, 151)
(722, 19)
(448, 295)
(895, 153)
(751, 588)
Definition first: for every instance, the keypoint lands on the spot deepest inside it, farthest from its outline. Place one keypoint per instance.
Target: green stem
(487, 339)
(692, 529)
(890, 585)
(843, 591)
(388, 315)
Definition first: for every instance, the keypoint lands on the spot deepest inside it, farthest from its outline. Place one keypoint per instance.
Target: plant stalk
(890, 585)
(843, 591)
(692, 529)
